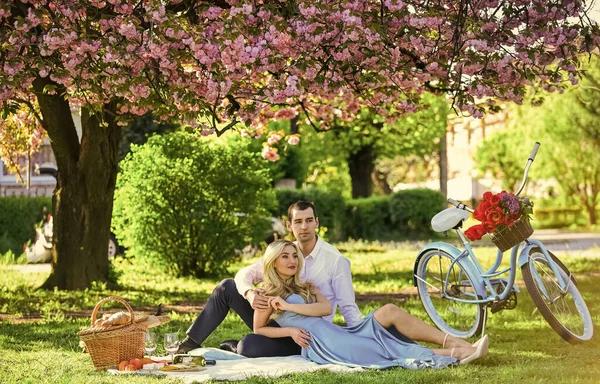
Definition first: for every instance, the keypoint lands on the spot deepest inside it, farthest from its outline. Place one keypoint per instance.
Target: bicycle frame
(469, 262)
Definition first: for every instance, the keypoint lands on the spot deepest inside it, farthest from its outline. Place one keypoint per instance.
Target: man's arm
(344, 291)
(244, 280)
(247, 276)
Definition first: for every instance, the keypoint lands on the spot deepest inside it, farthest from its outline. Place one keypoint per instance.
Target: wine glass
(171, 344)
(149, 342)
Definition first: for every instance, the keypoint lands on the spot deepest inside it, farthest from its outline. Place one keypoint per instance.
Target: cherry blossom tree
(214, 64)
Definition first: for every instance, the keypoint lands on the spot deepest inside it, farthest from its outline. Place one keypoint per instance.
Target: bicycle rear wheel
(565, 310)
(450, 316)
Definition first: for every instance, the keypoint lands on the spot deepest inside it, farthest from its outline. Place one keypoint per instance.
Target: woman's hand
(278, 303)
(300, 336)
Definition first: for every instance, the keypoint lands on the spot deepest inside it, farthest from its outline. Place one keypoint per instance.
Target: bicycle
(456, 291)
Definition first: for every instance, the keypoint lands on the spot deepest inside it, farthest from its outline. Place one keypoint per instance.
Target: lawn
(39, 343)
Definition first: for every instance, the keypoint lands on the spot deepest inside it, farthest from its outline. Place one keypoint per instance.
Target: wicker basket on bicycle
(108, 345)
(508, 237)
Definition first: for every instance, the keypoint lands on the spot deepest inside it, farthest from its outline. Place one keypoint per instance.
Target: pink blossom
(286, 114)
(270, 153)
(274, 138)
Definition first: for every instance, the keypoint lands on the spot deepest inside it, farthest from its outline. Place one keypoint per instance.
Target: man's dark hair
(301, 206)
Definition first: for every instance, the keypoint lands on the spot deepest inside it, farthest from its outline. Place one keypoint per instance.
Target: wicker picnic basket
(508, 237)
(108, 346)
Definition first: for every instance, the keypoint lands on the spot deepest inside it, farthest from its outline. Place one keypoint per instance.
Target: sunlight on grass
(522, 344)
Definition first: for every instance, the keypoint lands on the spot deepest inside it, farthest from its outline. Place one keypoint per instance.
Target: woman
(298, 308)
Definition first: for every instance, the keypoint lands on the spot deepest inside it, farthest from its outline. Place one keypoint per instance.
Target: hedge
(369, 219)
(18, 218)
(411, 210)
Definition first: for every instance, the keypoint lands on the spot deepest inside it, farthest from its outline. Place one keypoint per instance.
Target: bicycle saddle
(448, 219)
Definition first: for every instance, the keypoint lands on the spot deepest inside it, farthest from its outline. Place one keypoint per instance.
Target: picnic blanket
(233, 367)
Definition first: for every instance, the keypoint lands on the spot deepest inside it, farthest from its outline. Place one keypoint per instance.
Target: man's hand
(256, 299)
(300, 336)
(277, 303)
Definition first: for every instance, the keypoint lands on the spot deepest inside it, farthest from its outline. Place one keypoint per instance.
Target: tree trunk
(83, 197)
(444, 167)
(361, 165)
(592, 216)
(380, 181)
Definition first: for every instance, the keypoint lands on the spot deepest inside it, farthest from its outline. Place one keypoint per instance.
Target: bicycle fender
(524, 255)
(453, 252)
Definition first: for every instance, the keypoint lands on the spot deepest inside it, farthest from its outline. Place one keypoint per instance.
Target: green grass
(38, 339)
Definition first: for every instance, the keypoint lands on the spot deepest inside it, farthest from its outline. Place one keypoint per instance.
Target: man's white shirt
(326, 268)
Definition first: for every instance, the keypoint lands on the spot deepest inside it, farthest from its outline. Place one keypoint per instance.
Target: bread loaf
(118, 318)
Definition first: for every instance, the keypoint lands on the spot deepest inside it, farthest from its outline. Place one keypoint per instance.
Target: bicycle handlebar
(534, 151)
(460, 205)
(529, 161)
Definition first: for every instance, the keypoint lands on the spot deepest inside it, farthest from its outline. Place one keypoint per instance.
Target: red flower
(495, 200)
(495, 216)
(489, 227)
(480, 212)
(475, 232)
(495, 212)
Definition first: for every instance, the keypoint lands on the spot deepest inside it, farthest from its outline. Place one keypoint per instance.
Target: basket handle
(113, 298)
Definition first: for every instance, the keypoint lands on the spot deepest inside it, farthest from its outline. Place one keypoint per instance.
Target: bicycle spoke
(440, 284)
(563, 307)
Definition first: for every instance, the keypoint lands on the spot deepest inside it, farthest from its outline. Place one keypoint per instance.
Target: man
(324, 266)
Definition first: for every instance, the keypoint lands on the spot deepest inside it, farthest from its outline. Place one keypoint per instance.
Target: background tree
(567, 126)
(570, 124)
(499, 154)
(369, 138)
(140, 130)
(213, 64)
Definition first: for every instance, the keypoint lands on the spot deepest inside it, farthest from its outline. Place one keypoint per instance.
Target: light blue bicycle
(456, 291)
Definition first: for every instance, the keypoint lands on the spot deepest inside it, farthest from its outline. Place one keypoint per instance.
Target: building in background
(39, 185)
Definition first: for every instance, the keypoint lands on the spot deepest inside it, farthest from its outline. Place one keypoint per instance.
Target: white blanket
(235, 370)
(233, 367)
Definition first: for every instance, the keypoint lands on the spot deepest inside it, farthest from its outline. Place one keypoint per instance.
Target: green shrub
(190, 204)
(18, 217)
(411, 210)
(369, 219)
(330, 208)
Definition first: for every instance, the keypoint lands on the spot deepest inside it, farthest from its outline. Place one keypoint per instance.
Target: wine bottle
(192, 360)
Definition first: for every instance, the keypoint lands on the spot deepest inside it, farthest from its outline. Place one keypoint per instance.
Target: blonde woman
(298, 308)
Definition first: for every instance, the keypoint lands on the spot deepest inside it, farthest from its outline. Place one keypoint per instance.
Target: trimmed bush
(18, 218)
(190, 204)
(330, 208)
(411, 210)
(369, 219)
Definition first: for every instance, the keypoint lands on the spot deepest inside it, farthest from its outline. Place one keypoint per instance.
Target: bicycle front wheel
(440, 283)
(564, 309)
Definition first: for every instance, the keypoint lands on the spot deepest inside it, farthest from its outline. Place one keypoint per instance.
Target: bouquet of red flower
(497, 212)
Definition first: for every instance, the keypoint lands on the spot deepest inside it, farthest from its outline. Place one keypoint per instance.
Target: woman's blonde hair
(276, 285)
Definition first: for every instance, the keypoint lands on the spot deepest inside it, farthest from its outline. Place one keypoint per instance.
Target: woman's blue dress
(366, 344)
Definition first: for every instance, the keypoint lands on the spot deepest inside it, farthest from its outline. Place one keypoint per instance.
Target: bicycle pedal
(497, 306)
(509, 303)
